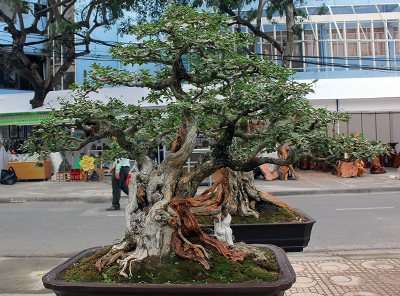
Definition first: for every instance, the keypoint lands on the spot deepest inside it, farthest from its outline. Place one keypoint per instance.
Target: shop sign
(75, 174)
(23, 118)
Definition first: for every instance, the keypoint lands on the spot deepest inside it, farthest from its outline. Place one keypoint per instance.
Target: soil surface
(269, 213)
(174, 270)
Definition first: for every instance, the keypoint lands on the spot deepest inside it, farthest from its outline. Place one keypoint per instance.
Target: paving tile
(359, 277)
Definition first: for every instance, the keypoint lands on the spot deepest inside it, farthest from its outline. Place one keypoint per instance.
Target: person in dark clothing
(120, 173)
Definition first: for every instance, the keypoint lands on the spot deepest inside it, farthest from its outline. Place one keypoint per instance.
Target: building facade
(353, 49)
(349, 48)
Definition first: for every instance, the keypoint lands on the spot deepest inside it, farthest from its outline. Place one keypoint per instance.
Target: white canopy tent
(373, 103)
(378, 94)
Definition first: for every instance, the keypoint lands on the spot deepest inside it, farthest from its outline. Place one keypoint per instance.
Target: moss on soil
(175, 270)
(269, 213)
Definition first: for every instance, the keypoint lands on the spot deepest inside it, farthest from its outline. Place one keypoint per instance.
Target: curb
(92, 199)
(89, 199)
(335, 191)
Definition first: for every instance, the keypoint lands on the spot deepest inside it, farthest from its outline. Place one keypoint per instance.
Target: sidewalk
(358, 273)
(317, 182)
(308, 183)
(351, 273)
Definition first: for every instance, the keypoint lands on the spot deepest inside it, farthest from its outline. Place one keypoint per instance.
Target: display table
(27, 170)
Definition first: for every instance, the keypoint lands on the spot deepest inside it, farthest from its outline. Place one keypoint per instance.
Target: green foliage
(107, 278)
(67, 29)
(280, 7)
(251, 15)
(202, 77)
(39, 165)
(322, 9)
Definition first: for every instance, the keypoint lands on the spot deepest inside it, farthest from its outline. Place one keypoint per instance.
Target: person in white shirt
(222, 229)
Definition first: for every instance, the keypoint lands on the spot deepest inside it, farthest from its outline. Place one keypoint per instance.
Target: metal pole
(390, 127)
(362, 126)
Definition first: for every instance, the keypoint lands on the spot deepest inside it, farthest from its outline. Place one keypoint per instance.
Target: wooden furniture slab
(28, 171)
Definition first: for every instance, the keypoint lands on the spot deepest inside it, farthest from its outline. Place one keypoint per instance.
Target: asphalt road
(53, 229)
(49, 229)
(351, 221)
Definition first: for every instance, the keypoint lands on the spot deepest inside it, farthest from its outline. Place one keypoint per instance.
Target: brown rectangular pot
(275, 288)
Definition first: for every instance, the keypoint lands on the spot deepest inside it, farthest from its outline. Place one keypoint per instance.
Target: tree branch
(256, 31)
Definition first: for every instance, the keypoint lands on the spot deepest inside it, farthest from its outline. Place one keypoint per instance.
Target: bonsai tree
(210, 88)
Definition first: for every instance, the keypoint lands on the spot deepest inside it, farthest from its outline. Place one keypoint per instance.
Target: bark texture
(237, 191)
(156, 221)
(157, 218)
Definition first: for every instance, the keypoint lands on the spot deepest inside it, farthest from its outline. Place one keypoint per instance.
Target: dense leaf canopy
(227, 90)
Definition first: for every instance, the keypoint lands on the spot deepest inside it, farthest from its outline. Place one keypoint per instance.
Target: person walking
(120, 173)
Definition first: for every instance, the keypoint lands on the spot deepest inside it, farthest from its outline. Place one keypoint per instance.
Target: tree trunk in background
(38, 99)
(237, 191)
(290, 28)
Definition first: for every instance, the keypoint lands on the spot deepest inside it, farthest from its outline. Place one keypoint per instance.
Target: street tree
(251, 18)
(59, 27)
(224, 90)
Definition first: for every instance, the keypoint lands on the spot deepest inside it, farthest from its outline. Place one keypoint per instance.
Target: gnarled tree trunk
(237, 191)
(157, 216)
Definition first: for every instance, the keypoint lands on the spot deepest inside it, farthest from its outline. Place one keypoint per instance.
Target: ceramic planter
(291, 236)
(275, 288)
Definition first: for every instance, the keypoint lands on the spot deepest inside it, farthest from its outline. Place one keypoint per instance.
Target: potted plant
(206, 86)
(267, 220)
(272, 288)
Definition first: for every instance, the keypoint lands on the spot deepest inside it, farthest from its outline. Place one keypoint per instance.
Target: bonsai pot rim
(309, 220)
(284, 282)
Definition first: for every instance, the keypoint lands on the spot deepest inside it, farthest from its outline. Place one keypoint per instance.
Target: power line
(362, 67)
(295, 58)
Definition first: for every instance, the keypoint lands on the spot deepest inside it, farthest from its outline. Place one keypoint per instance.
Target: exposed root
(136, 256)
(108, 259)
(269, 198)
(190, 228)
(234, 189)
(237, 191)
(206, 254)
(256, 255)
(188, 250)
(124, 245)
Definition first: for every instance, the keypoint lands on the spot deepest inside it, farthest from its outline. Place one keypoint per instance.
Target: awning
(16, 110)
(23, 118)
(355, 88)
(369, 95)
(378, 94)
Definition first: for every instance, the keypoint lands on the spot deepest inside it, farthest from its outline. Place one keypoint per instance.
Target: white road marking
(312, 182)
(376, 208)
